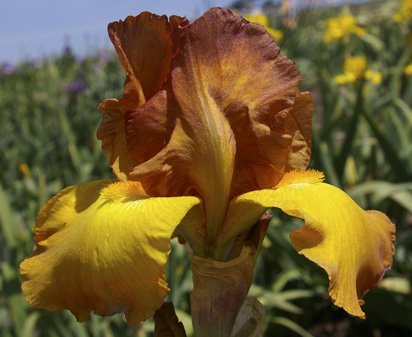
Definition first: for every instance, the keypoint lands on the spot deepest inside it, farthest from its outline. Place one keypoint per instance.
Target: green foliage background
(362, 141)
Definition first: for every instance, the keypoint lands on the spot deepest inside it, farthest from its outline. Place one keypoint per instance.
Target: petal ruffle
(145, 45)
(102, 247)
(354, 246)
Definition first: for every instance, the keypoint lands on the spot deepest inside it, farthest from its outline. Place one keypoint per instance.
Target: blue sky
(30, 29)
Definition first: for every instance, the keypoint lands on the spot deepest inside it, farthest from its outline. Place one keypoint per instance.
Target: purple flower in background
(105, 56)
(33, 63)
(76, 86)
(102, 58)
(7, 68)
(67, 47)
(67, 50)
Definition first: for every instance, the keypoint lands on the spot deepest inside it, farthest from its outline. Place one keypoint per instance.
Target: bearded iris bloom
(212, 130)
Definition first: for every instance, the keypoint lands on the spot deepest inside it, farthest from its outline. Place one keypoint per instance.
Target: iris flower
(408, 69)
(212, 131)
(404, 13)
(355, 70)
(341, 27)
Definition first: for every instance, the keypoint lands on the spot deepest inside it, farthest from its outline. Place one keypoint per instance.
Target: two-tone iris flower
(212, 130)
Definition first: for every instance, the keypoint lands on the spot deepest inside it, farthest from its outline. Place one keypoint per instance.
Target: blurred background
(56, 65)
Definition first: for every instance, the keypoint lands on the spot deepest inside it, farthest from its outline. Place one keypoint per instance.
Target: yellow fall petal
(102, 247)
(354, 246)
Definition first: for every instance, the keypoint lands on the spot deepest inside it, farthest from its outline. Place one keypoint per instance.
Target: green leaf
(376, 43)
(30, 324)
(381, 190)
(291, 325)
(391, 154)
(8, 220)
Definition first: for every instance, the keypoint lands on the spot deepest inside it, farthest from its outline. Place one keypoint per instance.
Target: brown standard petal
(145, 45)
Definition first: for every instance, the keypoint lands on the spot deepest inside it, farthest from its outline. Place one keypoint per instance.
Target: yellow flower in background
(340, 27)
(355, 69)
(344, 78)
(356, 66)
(212, 131)
(263, 20)
(373, 76)
(408, 69)
(24, 170)
(404, 13)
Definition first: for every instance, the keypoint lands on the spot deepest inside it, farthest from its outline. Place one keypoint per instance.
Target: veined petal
(145, 45)
(102, 247)
(354, 246)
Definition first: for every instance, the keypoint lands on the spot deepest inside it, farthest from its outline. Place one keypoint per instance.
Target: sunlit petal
(354, 246)
(102, 247)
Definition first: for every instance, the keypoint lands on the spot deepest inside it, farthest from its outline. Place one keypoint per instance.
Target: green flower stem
(351, 131)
